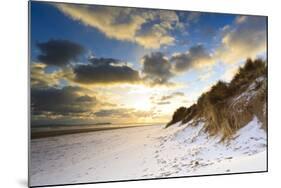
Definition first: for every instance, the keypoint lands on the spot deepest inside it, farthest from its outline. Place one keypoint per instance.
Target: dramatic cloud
(59, 52)
(65, 101)
(197, 56)
(168, 59)
(156, 68)
(40, 79)
(105, 71)
(245, 38)
(127, 23)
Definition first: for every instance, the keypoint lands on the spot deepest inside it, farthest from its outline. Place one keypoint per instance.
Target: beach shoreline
(143, 153)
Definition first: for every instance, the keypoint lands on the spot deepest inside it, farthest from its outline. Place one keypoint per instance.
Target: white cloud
(246, 38)
(126, 23)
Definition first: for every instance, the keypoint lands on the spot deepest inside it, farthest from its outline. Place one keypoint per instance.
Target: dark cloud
(156, 68)
(104, 71)
(59, 52)
(196, 56)
(63, 101)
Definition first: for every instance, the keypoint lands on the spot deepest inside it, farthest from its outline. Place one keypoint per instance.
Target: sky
(95, 64)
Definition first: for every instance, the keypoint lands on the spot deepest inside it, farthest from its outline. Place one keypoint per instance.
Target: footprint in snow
(166, 174)
(145, 170)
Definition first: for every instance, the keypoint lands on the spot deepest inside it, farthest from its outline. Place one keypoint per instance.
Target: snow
(249, 93)
(145, 152)
(253, 163)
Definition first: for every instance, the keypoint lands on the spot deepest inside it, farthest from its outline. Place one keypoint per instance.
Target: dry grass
(215, 105)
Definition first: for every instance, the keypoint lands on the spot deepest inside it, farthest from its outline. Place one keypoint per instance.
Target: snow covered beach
(145, 152)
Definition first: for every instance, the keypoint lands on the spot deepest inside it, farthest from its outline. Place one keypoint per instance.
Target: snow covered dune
(145, 152)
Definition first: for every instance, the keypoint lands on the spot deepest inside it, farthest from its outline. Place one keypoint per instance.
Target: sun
(142, 103)
(139, 98)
